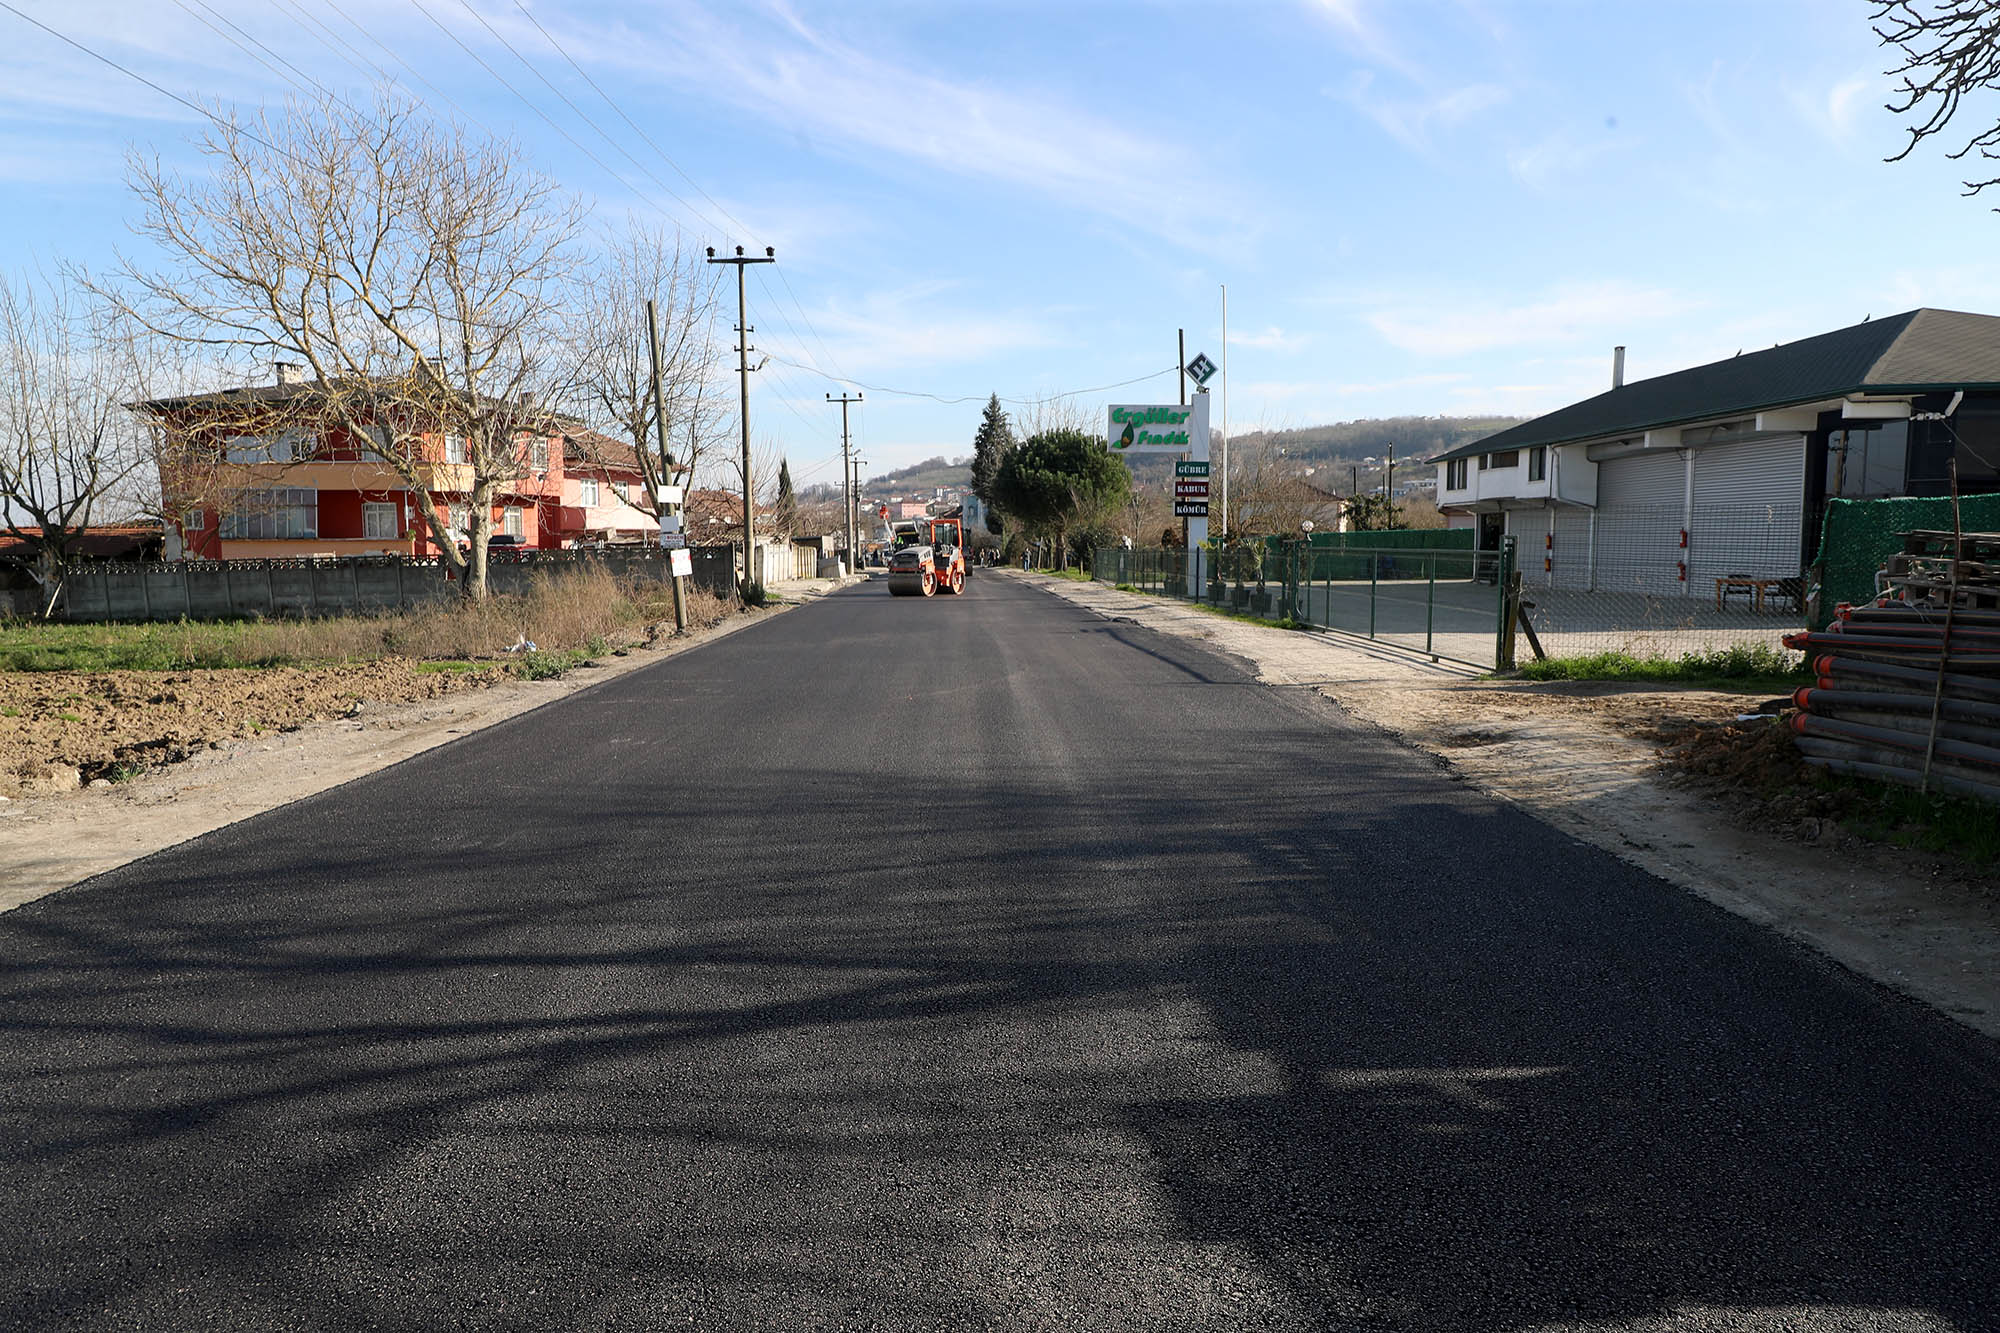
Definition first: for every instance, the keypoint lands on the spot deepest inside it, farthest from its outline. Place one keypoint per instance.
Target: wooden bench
(1755, 587)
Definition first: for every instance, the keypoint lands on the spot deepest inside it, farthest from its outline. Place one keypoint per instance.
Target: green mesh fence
(1424, 539)
(1861, 535)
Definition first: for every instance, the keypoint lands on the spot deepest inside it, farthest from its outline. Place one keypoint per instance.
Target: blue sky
(1418, 208)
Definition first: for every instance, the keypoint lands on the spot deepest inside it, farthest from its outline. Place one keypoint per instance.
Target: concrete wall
(220, 589)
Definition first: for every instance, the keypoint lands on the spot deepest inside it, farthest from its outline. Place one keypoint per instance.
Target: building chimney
(1618, 367)
(289, 373)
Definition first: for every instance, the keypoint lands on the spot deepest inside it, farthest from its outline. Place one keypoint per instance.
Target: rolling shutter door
(1748, 510)
(1641, 504)
(1572, 549)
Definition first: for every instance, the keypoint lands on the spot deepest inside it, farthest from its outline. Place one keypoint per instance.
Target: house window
(460, 518)
(1505, 458)
(272, 515)
(454, 448)
(1865, 463)
(283, 446)
(1538, 463)
(587, 492)
(381, 519)
(538, 455)
(1454, 474)
(511, 521)
(194, 520)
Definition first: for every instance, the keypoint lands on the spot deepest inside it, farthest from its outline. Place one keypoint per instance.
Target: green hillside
(931, 472)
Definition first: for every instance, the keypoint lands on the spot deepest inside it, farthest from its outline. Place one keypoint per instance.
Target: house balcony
(604, 520)
(362, 474)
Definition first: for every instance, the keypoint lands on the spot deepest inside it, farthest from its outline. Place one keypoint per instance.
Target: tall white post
(1225, 406)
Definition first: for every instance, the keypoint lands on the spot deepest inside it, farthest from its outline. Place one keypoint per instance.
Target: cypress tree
(993, 443)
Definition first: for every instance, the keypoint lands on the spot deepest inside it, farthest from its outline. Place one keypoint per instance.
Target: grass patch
(582, 609)
(1073, 575)
(1748, 666)
(1940, 823)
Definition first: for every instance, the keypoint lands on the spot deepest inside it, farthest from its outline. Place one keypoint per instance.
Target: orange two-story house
(255, 472)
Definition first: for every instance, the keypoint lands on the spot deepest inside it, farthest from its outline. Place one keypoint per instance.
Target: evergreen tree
(992, 444)
(1061, 484)
(788, 503)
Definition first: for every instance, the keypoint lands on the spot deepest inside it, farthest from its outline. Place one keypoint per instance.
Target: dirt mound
(61, 729)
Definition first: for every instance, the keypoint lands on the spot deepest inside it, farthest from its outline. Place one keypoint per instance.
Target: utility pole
(743, 350)
(660, 509)
(859, 463)
(1389, 484)
(846, 477)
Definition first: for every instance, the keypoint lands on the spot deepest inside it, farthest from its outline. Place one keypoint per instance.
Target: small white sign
(672, 495)
(670, 523)
(673, 541)
(680, 563)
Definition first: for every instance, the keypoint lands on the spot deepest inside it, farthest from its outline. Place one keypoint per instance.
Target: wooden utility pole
(661, 510)
(743, 350)
(846, 479)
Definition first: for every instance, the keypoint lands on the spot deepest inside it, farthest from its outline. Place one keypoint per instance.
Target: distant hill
(1342, 444)
(1415, 438)
(939, 471)
(1348, 444)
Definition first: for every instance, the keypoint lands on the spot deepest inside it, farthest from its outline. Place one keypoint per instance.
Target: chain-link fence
(1662, 581)
(1647, 582)
(1446, 603)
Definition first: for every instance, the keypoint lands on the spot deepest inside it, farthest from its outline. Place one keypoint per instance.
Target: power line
(748, 233)
(140, 78)
(976, 398)
(580, 114)
(608, 101)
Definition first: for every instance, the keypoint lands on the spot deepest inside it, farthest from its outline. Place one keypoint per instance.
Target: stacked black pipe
(1908, 689)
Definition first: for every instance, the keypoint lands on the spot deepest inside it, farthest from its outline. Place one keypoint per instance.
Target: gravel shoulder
(1584, 758)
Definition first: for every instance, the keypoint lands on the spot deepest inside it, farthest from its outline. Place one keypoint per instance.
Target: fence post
(1374, 577)
(1430, 606)
(1510, 601)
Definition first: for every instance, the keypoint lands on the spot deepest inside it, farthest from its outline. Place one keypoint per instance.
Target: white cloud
(1414, 122)
(1566, 314)
(1544, 164)
(1359, 32)
(1833, 110)
(831, 92)
(907, 327)
(1273, 339)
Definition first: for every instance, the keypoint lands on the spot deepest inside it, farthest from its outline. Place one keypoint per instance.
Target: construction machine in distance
(929, 557)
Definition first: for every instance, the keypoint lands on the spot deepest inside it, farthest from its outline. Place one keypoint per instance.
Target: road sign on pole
(1201, 370)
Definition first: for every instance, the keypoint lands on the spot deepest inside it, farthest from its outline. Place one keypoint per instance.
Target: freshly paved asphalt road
(910, 964)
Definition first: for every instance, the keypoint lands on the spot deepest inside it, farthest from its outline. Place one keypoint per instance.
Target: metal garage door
(1641, 504)
(1571, 555)
(1748, 510)
(1530, 530)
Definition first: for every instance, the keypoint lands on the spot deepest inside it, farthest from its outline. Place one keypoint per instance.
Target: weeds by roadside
(1754, 766)
(1750, 666)
(581, 609)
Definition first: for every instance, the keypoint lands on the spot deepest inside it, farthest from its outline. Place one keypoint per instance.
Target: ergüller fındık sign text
(1152, 429)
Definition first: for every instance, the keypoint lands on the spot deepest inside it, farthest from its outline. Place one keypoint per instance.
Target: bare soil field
(60, 730)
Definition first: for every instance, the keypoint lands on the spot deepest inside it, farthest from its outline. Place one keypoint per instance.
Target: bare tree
(414, 268)
(612, 362)
(68, 448)
(1949, 48)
